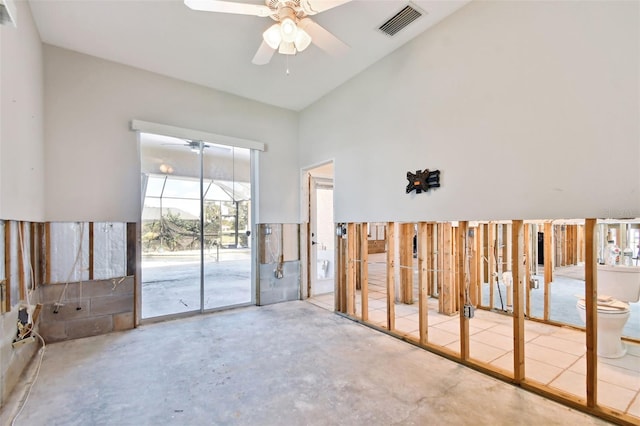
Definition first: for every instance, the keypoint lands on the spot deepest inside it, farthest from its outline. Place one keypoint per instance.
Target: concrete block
(123, 321)
(66, 312)
(86, 327)
(50, 292)
(127, 286)
(53, 331)
(111, 305)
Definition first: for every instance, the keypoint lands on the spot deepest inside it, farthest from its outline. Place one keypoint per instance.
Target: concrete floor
(171, 282)
(286, 364)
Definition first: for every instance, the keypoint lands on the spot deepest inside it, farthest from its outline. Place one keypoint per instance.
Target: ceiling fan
(293, 30)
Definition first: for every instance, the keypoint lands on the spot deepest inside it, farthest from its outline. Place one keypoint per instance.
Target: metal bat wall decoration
(423, 180)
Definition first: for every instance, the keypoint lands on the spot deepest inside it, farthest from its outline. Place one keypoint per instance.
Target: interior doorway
(321, 234)
(196, 226)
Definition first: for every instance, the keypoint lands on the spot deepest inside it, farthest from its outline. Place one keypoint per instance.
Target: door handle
(313, 243)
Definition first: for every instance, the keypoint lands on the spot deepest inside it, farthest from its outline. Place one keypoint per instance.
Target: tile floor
(554, 356)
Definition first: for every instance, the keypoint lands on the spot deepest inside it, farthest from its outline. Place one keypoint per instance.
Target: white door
(322, 251)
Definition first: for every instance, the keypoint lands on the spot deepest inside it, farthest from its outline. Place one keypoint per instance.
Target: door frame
(255, 147)
(305, 221)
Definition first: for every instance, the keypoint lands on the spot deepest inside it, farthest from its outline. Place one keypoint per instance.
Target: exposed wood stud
(341, 276)
(456, 273)
(492, 262)
(351, 270)
(7, 264)
(47, 252)
(476, 265)
(485, 253)
(21, 265)
(91, 243)
(528, 262)
(507, 259)
(463, 279)
(391, 314)
(364, 271)
(131, 248)
(439, 262)
(446, 298)
(591, 307)
(423, 279)
(548, 266)
(430, 257)
(406, 262)
(517, 270)
(34, 255)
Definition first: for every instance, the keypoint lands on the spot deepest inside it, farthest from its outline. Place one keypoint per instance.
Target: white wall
(21, 119)
(530, 110)
(92, 159)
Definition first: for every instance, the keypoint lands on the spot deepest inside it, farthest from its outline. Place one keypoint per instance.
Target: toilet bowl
(621, 285)
(611, 321)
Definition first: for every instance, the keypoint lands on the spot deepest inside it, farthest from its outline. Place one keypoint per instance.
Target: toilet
(617, 286)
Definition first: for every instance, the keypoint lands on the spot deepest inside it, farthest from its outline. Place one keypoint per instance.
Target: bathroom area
(452, 288)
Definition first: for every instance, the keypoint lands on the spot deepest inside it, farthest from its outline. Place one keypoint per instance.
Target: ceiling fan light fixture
(302, 40)
(287, 48)
(272, 36)
(288, 30)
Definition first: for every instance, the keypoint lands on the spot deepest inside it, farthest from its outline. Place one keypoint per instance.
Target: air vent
(400, 20)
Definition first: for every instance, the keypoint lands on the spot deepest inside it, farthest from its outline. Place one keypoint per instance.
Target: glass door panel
(227, 225)
(170, 226)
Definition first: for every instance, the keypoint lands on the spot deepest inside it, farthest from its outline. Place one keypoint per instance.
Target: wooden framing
(528, 263)
(91, 239)
(476, 266)
(439, 261)
(517, 270)
(364, 272)
(591, 297)
(493, 271)
(351, 269)
(21, 265)
(447, 296)
(340, 276)
(453, 246)
(7, 265)
(432, 289)
(391, 285)
(406, 263)
(47, 252)
(34, 236)
(462, 279)
(548, 266)
(424, 273)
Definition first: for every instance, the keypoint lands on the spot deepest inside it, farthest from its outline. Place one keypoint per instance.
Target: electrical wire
(72, 270)
(35, 378)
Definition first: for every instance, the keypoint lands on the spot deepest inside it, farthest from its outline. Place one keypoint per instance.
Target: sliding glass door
(196, 251)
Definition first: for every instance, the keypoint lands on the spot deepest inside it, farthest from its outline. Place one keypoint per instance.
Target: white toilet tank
(619, 282)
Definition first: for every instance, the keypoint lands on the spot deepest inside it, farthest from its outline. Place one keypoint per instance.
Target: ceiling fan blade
(311, 7)
(323, 38)
(263, 55)
(228, 7)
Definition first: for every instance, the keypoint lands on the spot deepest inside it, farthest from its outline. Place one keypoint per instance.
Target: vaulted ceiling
(215, 49)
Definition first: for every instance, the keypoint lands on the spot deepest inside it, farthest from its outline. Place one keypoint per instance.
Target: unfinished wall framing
(82, 283)
(439, 274)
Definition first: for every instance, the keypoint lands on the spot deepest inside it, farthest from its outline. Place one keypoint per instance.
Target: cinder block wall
(88, 309)
(13, 360)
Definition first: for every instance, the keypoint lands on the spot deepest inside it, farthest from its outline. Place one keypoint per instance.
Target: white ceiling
(215, 49)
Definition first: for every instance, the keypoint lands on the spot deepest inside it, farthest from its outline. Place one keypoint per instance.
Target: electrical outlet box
(24, 341)
(468, 311)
